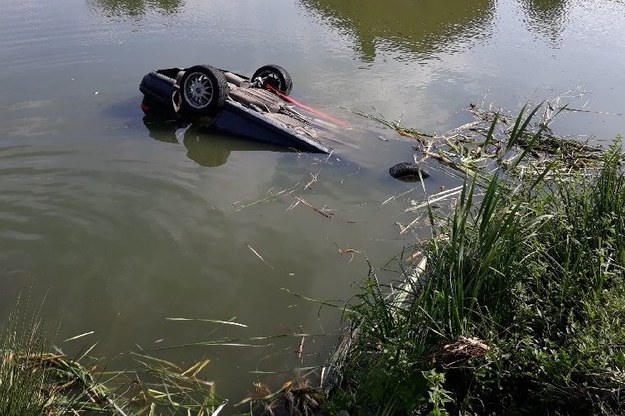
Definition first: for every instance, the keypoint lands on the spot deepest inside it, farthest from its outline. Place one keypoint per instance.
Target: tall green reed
(22, 385)
(533, 267)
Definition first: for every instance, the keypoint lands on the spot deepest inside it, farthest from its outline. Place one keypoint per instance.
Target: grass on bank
(35, 382)
(521, 306)
(21, 386)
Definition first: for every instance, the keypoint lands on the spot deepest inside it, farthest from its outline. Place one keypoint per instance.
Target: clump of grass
(34, 382)
(22, 385)
(564, 340)
(295, 397)
(520, 307)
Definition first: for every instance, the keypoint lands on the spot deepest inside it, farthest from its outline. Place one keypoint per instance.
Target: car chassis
(257, 108)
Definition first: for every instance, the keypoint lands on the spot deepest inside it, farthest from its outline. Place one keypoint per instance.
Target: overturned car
(257, 108)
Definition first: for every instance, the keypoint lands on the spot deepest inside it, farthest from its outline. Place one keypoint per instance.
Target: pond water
(120, 226)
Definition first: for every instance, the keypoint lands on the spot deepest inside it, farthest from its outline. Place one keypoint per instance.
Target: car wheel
(274, 76)
(203, 90)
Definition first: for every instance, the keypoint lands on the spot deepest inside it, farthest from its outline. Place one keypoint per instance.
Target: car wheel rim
(198, 90)
(270, 78)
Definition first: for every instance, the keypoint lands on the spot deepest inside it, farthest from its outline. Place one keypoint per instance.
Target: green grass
(520, 309)
(35, 382)
(22, 385)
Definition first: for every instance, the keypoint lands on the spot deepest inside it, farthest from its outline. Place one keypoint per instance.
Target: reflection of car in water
(258, 108)
(205, 145)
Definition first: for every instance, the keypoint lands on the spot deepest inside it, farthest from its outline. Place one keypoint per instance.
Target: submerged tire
(203, 90)
(276, 76)
(408, 172)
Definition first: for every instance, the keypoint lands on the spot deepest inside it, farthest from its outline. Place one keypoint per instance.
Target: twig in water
(239, 205)
(348, 250)
(300, 350)
(258, 255)
(578, 110)
(323, 211)
(432, 199)
(293, 205)
(79, 336)
(402, 229)
(386, 201)
(312, 180)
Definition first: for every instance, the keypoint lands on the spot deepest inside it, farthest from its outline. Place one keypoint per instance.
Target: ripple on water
(50, 194)
(35, 36)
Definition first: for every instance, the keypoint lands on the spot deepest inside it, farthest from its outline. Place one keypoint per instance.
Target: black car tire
(203, 90)
(408, 172)
(275, 76)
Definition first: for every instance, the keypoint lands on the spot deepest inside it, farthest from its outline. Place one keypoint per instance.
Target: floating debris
(408, 172)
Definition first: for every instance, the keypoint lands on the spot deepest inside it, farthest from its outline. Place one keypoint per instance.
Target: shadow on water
(547, 17)
(136, 7)
(422, 27)
(205, 145)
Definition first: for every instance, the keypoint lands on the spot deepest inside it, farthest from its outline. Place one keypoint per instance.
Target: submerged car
(258, 108)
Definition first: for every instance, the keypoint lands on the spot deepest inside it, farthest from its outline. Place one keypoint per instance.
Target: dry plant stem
(349, 251)
(403, 229)
(313, 179)
(489, 142)
(386, 201)
(239, 205)
(323, 211)
(258, 255)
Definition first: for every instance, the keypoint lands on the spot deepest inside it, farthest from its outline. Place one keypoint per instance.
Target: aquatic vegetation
(295, 397)
(35, 382)
(22, 384)
(517, 304)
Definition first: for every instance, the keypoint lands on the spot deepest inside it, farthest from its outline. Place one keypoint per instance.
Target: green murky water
(121, 226)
